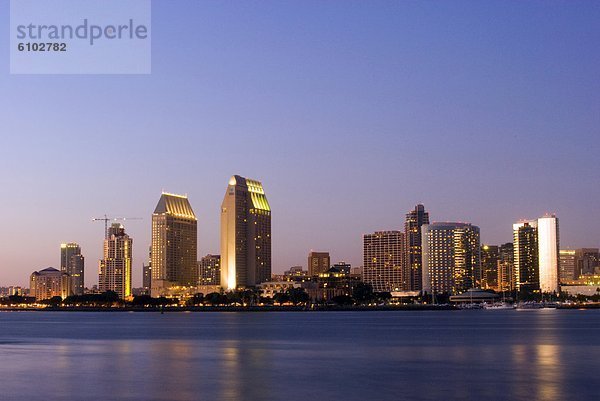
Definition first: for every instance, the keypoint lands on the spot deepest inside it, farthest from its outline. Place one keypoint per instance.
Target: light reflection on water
(493, 355)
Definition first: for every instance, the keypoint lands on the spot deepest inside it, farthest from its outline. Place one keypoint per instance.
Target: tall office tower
(49, 283)
(525, 245)
(490, 257)
(383, 254)
(147, 273)
(115, 267)
(318, 262)
(209, 270)
(548, 247)
(413, 248)
(451, 257)
(72, 263)
(245, 234)
(506, 274)
(588, 261)
(567, 263)
(174, 251)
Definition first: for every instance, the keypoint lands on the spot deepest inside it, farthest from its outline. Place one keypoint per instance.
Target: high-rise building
(451, 257)
(209, 270)
(49, 283)
(588, 261)
(115, 266)
(318, 262)
(174, 250)
(383, 254)
(548, 247)
(490, 257)
(147, 273)
(245, 234)
(567, 265)
(536, 254)
(526, 264)
(72, 262)
(413, 248)
(506, 271)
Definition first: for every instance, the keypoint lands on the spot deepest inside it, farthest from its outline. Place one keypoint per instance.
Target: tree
(343, 300)
(197, 299)
(363, 293)
(281, 298)
(297, 295)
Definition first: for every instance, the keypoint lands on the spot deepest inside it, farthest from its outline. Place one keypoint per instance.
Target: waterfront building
(383, 254)
(548, 247)
(295, 273)
(270, 288)
(567, 263)
(525, 247)
(413, 266)
(174, 255)
(451, 257)
(330, 284)
(209, 270)
(490, 257)
(245, 234)
(72, 262)
(115, 266)
(146, 278)
(49, 283)
(587, 260)
(318, 262)
(506, 271)
(536, 254)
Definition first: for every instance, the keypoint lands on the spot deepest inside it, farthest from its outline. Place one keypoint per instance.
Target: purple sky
(349, 112)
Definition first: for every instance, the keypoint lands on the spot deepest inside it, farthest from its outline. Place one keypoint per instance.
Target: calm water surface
(434, 355)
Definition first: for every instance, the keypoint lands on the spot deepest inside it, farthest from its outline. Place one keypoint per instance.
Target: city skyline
(483, 112)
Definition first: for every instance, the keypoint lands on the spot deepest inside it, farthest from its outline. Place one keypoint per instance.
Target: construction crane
(106, 219)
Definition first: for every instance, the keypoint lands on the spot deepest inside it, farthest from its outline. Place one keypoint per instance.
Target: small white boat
(499, 305)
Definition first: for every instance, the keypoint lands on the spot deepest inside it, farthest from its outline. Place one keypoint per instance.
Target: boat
(499, 305)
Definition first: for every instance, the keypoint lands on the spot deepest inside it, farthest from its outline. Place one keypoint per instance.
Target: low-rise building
(49, 283)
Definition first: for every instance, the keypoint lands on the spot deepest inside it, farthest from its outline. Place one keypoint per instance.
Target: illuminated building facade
(413, 265)
(536, 254)
(548, 247)
(49, 283)
(451, 257)
(506, 268)
(525, 243)
(209, 270)
(567, 263)
(174, 249)
(245, 234)
(115, 267)
(588, 261)
(490, 257)
(383, 254)
(72, 262)
(318, 262)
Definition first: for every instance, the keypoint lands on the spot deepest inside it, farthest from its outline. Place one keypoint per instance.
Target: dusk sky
(348, 112)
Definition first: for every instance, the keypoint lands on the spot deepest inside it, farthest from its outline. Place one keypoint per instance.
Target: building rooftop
(175, 205)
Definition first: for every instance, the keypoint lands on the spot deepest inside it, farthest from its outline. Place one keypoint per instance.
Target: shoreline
(266, 309)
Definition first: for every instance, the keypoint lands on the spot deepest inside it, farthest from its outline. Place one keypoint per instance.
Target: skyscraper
(548, 247)
(115, 267)
(72, 262)
(174, 250)
(506, 275)
(526, 256)
(567, 265)
(209, 268)
(451, 257)
(490, 256)
(536, 254)
(245, 234)
(413, 248)
(318, 262)
(383, 254)
(587, 261)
